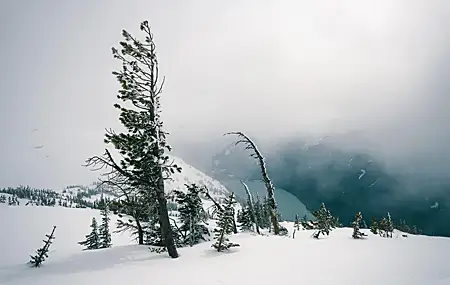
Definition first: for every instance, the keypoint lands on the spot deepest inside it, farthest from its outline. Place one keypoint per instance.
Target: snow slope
(336, 259)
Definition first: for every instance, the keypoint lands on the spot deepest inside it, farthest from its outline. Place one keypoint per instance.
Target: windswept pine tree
(42, 253)
(324, 221)
(374, 226)
(192, 215)
(225, 225)
(142, 147)
(357, 234)
(104, 233)
(92, 240)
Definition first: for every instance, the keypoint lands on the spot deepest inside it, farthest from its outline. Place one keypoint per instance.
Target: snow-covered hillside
(336, 259)
(89, 196)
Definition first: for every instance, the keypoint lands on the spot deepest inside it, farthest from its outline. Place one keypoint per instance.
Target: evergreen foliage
(132, 213)
(404, 227)
(389, 226)
(324, 221)
(251, 208)
(382, 227)
(104, 233)
(142, 147)
(374, 228)
(192, 215)
(225, 225)
(306, 224)
(245, 219)
(42, 253)
(357, 234)
(92, 240)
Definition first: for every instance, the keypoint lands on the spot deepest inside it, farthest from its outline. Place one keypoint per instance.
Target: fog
(269, 68)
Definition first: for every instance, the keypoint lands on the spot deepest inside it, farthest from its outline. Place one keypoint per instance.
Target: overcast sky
(266, 67)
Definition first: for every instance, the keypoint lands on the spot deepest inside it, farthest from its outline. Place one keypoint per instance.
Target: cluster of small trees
(323, 223)
(50, 198)
(99, 237)
(140, 173)
(384, 227)
(255, 215)
(11, 200)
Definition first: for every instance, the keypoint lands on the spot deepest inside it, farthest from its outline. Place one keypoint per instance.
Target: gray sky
(314, 66)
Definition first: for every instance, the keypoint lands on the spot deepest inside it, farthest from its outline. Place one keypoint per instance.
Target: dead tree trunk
(250, 145)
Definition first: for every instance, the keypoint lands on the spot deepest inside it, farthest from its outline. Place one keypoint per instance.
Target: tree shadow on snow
(86, 261)
(215, 253)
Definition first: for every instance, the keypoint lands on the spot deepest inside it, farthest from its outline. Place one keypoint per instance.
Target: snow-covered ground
(336, 259)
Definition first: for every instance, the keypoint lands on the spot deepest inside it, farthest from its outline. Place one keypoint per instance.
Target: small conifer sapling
(92, 240)
(225, 225)
(42, 253)
(324, 221)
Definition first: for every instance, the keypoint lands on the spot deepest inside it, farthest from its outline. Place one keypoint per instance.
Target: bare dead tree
(143, 162)
(255, 153)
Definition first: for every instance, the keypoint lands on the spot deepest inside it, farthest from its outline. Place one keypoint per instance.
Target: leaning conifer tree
(42, 253)
(225, 225)
(92, 240)
(255, 153)
(142, 147)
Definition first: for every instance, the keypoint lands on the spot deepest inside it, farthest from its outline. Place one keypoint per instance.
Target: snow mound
(335, 259)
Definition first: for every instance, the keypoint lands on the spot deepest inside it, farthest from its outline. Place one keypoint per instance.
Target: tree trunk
(166, 229)
(219, 247)
(140, 232)
(235, 230)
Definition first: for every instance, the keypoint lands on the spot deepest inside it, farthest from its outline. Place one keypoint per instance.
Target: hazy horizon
(268, 68)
